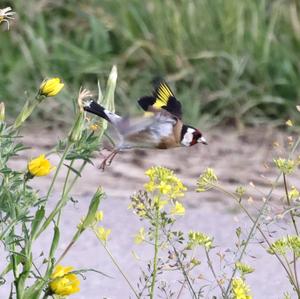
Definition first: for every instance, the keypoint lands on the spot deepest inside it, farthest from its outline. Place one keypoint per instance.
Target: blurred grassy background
(229, 61)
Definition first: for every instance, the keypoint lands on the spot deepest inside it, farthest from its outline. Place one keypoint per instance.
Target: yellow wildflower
(178, 209)
(39, 166)
(140, 236)
(279, 246)
(51, 87)
(164, 182)
(294, 193)
(99, 216)
(199, 239)
(289, 123)
(94, 127)
(244, 268)
(62, 283)
(159, 202)
(206, 180)
(103, 233)
(240, 289)
(284, 165)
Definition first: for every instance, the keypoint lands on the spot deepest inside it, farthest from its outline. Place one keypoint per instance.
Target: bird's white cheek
(187, 139)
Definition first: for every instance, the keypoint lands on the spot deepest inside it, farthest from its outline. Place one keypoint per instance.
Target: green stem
(210, 265)
(289, 204)
(156, 237)
(255, 225)
(185, 274)
(119, 268)
(255, 222)
(60, 204)
(58, 169)
(64, 189)
(296, 230)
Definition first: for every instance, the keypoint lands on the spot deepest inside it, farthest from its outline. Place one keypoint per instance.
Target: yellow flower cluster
(244, 268)
(51, 87)
(294, 193)
(240, 290)
(287, 166)
(163, 181)
(39, 166)
(64, 283)
(178, 209)
(206, 180)
(103, 233)
(140, 236)
(199, 239)
(281, 246)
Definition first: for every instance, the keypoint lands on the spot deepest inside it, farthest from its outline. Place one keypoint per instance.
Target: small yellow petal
(103, 233)
(140, 236)
(178, 209)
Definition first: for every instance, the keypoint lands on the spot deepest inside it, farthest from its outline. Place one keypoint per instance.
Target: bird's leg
(107, 161)
(112, 156)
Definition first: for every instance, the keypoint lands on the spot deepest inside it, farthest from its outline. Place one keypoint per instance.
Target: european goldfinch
(160, 128)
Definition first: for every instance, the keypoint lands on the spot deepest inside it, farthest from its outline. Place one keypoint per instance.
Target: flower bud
(51, 87)
(2, 112)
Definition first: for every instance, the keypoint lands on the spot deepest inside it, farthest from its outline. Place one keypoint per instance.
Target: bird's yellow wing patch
(162, 95)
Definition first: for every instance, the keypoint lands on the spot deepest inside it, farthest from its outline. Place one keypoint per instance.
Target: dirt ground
(244, 159)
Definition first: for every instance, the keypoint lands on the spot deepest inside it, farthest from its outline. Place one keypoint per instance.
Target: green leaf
(38, 218)
(73, 169)
(55, 241)
(93, 208)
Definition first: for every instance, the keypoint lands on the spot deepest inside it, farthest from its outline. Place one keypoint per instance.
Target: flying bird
(160, 128)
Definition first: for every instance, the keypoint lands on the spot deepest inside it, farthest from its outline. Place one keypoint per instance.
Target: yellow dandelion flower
(140, 236)
(62, 283)
(39, 166)
(103, 233)
(240, 289)
(51, 87)
(178, 209)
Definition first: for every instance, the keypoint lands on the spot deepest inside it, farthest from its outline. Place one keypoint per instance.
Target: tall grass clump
(235, 61)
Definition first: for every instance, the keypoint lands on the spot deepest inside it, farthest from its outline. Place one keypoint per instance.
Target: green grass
(229, 61)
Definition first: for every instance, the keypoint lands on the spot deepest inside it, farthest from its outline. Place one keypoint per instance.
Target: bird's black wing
(162, 98)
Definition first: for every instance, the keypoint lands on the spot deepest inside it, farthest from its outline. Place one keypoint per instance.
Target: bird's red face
(191, 136)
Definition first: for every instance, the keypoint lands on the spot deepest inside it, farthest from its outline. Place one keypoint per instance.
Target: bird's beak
(202, 140)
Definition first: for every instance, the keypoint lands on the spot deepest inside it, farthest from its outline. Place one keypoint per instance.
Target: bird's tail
(95, 108)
